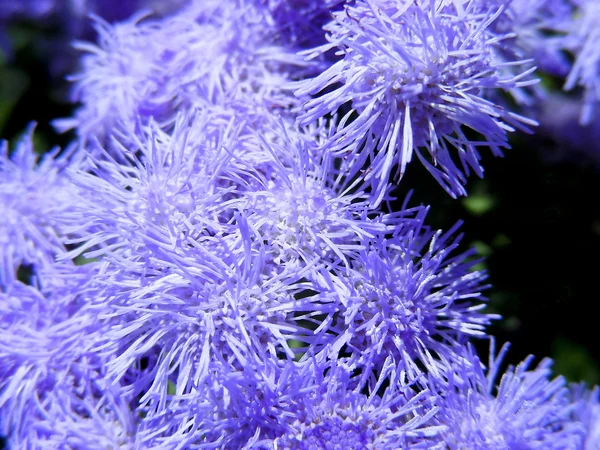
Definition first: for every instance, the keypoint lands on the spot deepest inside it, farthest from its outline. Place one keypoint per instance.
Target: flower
(279, 404)
(306, 210)
(525, 410)
(587, 412)
(581, 42)
(336, 412)
(201, 57)
(409, 299)
(181, 277)
(34, 196)
(414, 76)
(539, 28)
(299, 23)
(46, 332)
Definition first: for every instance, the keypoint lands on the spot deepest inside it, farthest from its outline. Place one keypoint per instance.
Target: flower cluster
(217, 262)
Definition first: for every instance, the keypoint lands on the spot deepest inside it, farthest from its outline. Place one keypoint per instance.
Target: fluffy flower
(408, 298)
(413, 78)
(205, 55)
(582, 43)
(92, 415)
(539, 28)
(274, 404)
(34, 196)
(525, 410)
(337, 413)
(45, 336)
(77, 10)
(181, 276)
(299, 23)
(588, 413)
(307, 210)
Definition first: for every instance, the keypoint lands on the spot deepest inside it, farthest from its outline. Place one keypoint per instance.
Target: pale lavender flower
(203, 56)
(524, 409)
(34, 195)
(413, 78)
(582, 43)
(539, 27)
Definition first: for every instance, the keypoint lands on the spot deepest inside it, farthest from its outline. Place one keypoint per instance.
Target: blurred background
(535, 216)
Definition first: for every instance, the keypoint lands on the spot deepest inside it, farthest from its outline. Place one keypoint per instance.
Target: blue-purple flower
(410, 299)
(414, 77)
(204, 56)
(582, 43)
(525, 408)
(46, 332)
(34, 196)
(272, 404)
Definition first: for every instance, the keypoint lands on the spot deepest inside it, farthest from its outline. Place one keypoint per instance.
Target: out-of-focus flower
(299, 23)
(526, 409)
(145, 68)
(34, 196)
(78, 10)
(33, 9)
(582, 43)
(559, 116)
(413, 78)
(539, 27)
(587, 412)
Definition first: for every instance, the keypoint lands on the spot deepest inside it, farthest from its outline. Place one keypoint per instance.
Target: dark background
(535, 216)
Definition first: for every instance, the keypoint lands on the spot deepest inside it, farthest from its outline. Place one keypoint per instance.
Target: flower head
(45, 336)
(201, 57)
(280, 404)
(408, 298)
(414, 76)
(526, 409)
(34, 196)
(581, 42)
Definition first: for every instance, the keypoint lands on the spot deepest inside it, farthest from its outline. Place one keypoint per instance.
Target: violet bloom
(204, 56)
(338, 412)
(45, 337)
(34, 196)
(299, 23)
(90, 415)
(414, 76)
(524, 409)
(274, 404)
(306, 210)
(78, 10)
(588, 413)
(412, 299)
(539, 27)
(582, 43)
